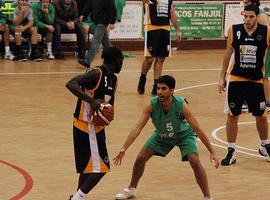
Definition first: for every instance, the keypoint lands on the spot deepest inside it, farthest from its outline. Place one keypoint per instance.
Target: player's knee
(194, 160)
(149, 60)
(140, 160)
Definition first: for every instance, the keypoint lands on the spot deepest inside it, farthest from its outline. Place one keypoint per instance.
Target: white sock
(208, 198)
(7, 49)
(49, 46)
(264, 142)
(79, 195)
(231, 145)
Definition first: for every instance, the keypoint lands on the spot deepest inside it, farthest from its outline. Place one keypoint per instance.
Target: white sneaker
(267, 108)
(265, 151)
(244, 108)
(50, 56)
(127, 193)
(9, 56)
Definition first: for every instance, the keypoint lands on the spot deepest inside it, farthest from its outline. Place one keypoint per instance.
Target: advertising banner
(199, 20)
(130, 26)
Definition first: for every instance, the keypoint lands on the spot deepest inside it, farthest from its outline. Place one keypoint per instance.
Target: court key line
(27, 177)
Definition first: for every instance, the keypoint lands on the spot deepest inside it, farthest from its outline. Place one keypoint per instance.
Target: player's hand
(178, 36)
(118, 159)
(95, 105)
(111, 26)
(213, 156)
(222, 86)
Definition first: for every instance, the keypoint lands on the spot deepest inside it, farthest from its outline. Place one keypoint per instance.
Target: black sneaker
(265, 151)
(21, 56)
(141, 85)
(59, 55)
(35, 56)
(70, 197)
(154, 90)
(83, 63)
(230, 157)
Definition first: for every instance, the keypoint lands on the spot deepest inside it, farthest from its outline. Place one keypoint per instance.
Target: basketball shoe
(244, 107)
(264, 150)
(154, 90)
(127, 193)
(267, 108)
(141, 85)
(230, 157)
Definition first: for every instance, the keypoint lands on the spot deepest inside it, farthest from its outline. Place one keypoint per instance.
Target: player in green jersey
(175, 126)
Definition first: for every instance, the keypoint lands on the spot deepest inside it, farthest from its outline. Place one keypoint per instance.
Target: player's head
(113, 57)
(250, 16)
(167, 80)
(165, 87)
(249, 2)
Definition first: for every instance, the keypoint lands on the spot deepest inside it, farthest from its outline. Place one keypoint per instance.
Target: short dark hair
(252, 7)
(111, 54)
(256, 2)
(167, 80)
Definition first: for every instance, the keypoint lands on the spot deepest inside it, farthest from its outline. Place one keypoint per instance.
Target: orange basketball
(104, 115)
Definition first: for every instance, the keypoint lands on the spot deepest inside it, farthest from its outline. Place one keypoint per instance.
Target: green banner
(199, 20)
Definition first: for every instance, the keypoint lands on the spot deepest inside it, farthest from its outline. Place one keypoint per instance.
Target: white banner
(232, 16)
(130, 26)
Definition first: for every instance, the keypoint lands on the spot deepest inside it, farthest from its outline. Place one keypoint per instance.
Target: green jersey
(3, 17)
(41, 20)
(119, 5)
(173, 123)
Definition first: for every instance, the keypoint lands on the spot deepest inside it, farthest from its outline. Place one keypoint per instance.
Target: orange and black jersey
(158, 12)
(249, 51)
(103, 88)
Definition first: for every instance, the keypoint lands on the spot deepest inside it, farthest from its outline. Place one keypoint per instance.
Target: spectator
(4, 28)
(102, 13)
(23, 27)
(66, 17)
(44, 15)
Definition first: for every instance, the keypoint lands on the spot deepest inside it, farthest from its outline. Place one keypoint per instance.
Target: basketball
(104, 115)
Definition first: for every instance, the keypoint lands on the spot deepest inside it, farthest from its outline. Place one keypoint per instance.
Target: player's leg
(199, 173)
(146, 65)
(256, 102)
(90, 172)
(235, 100)
(138, 169)
(163, 49)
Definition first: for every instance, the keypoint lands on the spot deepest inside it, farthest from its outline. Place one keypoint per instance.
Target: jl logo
(7, 9)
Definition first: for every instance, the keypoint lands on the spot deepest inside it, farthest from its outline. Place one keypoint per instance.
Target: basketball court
(36, 152)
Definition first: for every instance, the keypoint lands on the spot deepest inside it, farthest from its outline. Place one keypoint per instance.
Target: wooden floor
(36, 134)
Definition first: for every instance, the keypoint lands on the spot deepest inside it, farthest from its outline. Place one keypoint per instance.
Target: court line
(27, 177)
(123, 71)
(214, 134)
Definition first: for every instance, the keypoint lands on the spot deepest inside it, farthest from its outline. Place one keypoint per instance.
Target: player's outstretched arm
(201, 134)
(134, 133)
